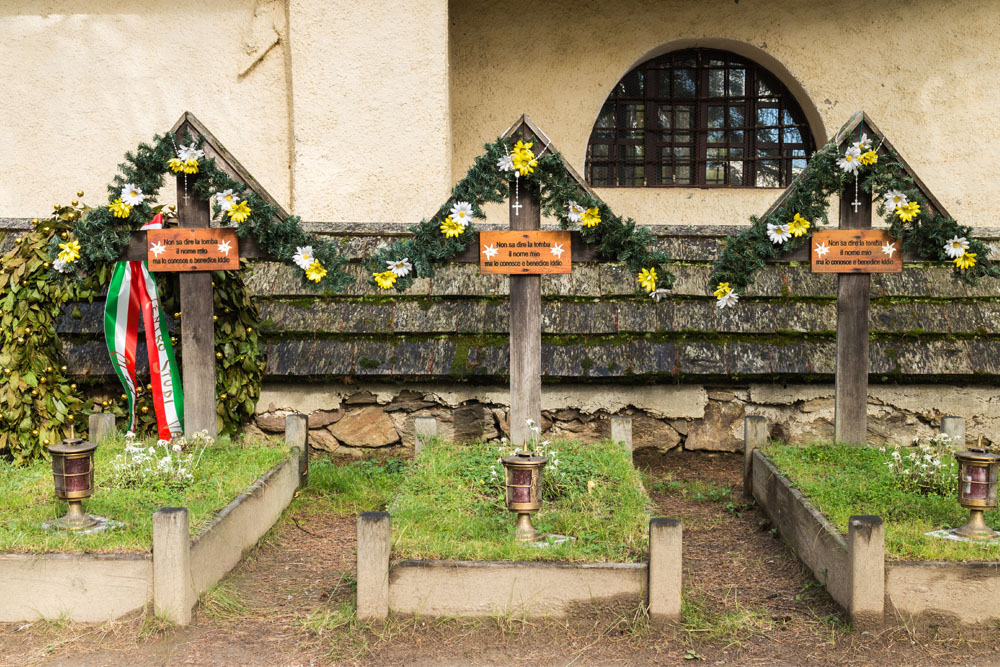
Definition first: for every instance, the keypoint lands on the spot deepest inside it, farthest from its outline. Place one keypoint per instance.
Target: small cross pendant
(856, 204)
(517, 206)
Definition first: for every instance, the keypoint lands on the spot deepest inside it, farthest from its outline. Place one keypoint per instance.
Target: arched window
(695, 118)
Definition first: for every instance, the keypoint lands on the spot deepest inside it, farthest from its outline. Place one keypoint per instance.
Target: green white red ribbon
(133, 292)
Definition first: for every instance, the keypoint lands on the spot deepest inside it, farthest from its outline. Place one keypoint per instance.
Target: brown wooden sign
(192, 249)
(524, 252)
(856, 251)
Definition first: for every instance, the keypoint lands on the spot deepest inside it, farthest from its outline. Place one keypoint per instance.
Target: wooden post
(955, 428)
(173, 591)
(101, 426)
(297, 437)
(850, 422)
(197, 327)
(525, 330)
(754, 436)
(425, 427)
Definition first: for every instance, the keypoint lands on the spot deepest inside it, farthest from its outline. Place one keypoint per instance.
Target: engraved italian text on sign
(187, 249)
(856, 251)
(524, 253)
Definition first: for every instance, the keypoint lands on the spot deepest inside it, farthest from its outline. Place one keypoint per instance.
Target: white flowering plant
(926, 466)
(169, 464)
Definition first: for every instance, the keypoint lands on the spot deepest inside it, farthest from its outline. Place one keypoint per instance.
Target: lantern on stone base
(73, 473)
(524, 492)
(977, 491)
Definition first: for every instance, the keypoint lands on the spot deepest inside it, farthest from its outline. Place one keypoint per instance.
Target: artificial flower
(647, 279)
(591, 217)
(722, 290)
(798, 226)
(869, 157)
(132, 195)
(226, 200)
(190, 166)
(574, 212)
(727, 300)
(461, 213)
(894, 199)
(956, 246)
(451, 228)
(59, 265)
(889, 248)
(120, 209)
(821, 249)
(908, 211)
(176, 164)
(863, 144)
(385, 279)
(190, 152)
(658, 294)
(778, 233)
(400, 267)
(69, 252)
(524, 158)
(506, 162)
(489, 251)
(303, 256)
(315, 271)
(850, 161)
(240, 212)
(966, 261)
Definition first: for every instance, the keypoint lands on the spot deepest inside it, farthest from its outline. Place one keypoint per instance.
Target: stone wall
(363, 364)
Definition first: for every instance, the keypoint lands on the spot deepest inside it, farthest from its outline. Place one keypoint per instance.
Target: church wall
(924, 70)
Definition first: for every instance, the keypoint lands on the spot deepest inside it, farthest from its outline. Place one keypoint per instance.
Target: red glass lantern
(524, 491)
(73, 473)
(977, 491)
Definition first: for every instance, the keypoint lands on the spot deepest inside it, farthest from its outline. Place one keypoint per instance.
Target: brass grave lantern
(977, 491)
(524, 491)
(73, 472)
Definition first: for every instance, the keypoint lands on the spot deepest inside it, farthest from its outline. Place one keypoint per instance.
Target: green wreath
(451, 230)
(877, 170)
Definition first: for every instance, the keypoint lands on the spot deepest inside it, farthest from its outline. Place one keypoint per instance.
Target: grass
(450, 506)
(225, 471)
(695, 490)
(731, 622)
(842, 481)
(343, 490)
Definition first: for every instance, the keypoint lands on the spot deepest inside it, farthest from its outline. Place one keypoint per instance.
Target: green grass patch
(695, 490)
(842, 481)
(451, 506)
(360, 486)
(28, 499)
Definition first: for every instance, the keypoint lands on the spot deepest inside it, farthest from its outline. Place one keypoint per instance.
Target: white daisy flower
(894, 199)
(728, 301)
(956, 246)
(851, 160)
(400, 267)
(506, 162)
(778, 233)
(190, 152)
(863, 144)
(132, 195)
(59, 265)
(574, 211)
(303, 256)
(461, 213)
(227, 199)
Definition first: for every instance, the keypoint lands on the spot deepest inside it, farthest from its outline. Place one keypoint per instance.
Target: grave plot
(861, 518)
(83, 567)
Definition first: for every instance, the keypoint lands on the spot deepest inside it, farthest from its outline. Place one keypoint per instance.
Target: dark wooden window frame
(761, 138)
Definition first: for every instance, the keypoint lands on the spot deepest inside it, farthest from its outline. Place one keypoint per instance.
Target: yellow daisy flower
(871, 157)
(315, 272)
(722, 290)
(909, 211)
(190, 166)
(385, 279)
(241, 212)
(175, 164)
(591, 218)
(524, 158)
(798, 226)
(69, 252)
(966, 261)
(451, 228)
(120, 209)
(647, 279)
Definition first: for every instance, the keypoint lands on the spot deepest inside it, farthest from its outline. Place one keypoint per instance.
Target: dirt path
(747, 602)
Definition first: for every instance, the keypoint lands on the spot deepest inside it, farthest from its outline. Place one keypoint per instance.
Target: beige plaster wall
(925, 71)
(85, 80)
(370, 103)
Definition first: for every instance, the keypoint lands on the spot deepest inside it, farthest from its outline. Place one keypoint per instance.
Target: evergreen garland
(926, 234)
(615, 239)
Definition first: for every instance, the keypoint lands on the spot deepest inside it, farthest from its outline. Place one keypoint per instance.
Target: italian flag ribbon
(133, 291)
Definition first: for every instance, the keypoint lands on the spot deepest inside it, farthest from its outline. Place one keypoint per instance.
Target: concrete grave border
(854, 570)
(101, 587)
